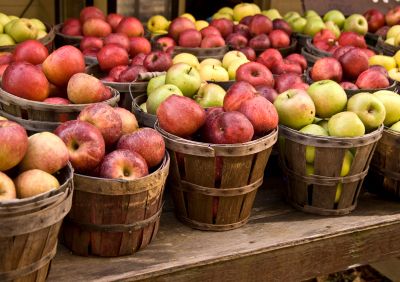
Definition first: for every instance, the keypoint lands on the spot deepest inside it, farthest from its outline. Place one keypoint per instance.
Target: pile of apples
(32, 162)
(391, 64)
(379, 23)
(14, 30)
(106, 142)
(30, 72)
(392, 36)
(350, 67)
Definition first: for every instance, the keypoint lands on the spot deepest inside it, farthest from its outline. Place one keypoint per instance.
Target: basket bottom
(322, 211)
(211, 227)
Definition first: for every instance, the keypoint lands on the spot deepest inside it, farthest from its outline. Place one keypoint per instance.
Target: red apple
(105, 119)
(236, 41)
(348, 85)
(211, 113)
(323, 45)
(353, 63)
(13, 144)
(297, 58)
(90, 42)
(282, 25)
(267, 92)
(112, 55)
(260, 24)
(249, 52)
(302, 86)
(341, 51)
(84, 88)
(71, 30)
(239, 91)
(129, 121)
(212, 41)
(286, 81)
(166, 42)
(157, 61)
(241, 29)
(6, 58)
(368, 52)
(190, 38)
(375, 19)
(131, 73)
(84, 142)
(138, 59)
(209, 30)
(72, 21)
(56, 101)
(286, 66)
(63, 63)
(130, 26)
(261, 113)
(224, 26)
(115, 72)
(91, 12)
(246, 20)
(119, 39)
(31, 51)
(147, 142)
(382, 31)
(260, 42)
(326, 68)
(325, 35)
(178, 25)
(372, 79)
(25, 80)
(350, 38)
(180, 115)
(96, 27)
(139, 45)
(279, 39)
(270, 58)
(393, 16)
(113, 20)
(380, 69)
(92, 52)
(255, 74)
(109, 78)
(123, 164)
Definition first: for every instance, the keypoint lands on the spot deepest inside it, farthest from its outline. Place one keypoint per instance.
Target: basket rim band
(26, 270)
(114, 228)
(212, 227)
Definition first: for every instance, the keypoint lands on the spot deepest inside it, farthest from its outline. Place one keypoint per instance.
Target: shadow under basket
(213, 186)
(319, 188)
(29, 231)
(384, 175)
(112, 217)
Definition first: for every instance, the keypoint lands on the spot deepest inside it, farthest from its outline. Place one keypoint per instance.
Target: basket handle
(144, 77)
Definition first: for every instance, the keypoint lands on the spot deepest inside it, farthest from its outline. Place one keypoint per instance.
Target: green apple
(226, 10)
(155, 82)
(391, 101)
(41, 34)
(335, 16)
(397, 40)
(396, 126)
(233, 66)
(23, 30)
(157, 22)
(295, 108)
(143, 107)
(369, 109)
(324, 124)
(243, 10)
(312, 129)
(213, 73)
(1, 28)
(222, 16)
(333, 27)
(210, 61)
(298, 24)
(231, 56)
(8, 26)
(339, 190)
(347, 161)
(291, 15)
(186, 58)
(159, 95)
(5, 40)
(313, 26)
(328, 96)
(272, 14)
(12, 17)
(4, 19)
(346, 124)
(210, 95)
(311, 13)
(393, 31)
(186, 77)
(356, 23)
(38, 24)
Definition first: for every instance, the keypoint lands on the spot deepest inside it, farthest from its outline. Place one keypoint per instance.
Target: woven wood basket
(310, 47)
(311, 58)
(111, 217)
(384, 175)
(29, 231)
(385, 48)
(316, 193)
(214, 186)
(62, 39)
(143, 118)
(371, 39)
(301, 39)
(37, 116)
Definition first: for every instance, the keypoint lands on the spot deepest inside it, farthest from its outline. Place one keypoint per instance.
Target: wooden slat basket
(29, 231)
(143, 118)
(385, 48)
(316, 193)
(384, 175)
(214, 186)
(62, 39)
(111, 217)
(310, 47)
(301, 39)
(38, 116)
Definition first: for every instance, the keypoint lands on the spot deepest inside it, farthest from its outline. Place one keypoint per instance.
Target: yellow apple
(210, 61)
(186, 58)
(222, 16)
(256, 9)
(33, 182)
(143, 107)
(7, 188)
(231, 56)
(385, 61)
(233, 66)
(213, 73)
(309, 169)
(393, 31)
(226, 10)
(390, 41)
(347, 161)
(397, 58)
(200, 24)
(394, 74)
(243, 10)
(157, 22)
(41, 34)
(272, 14)
(188, 16)
(339, 189)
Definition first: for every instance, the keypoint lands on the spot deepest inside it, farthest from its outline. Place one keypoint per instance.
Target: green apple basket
(325, 192)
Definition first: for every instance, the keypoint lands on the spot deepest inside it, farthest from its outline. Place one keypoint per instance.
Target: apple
(310, 14)
(63, 63)
(139, 45)
(129, 122)
(297, 58)
(190, 38)
(4, 19)
(210, 95)
(212, 41)
(210, 30)
(286, 81)
(23, 29)
(131, 73)
(180, 116)
(356, 23)
(295, 108)
(116, 71)
(348, 85)
(130, 26)
(346, 124)
(2, 69)
(231, 56)
(238, 93)
(185, 77)
(233, 67)
(211, 113)
(224, 26)
(213, 73)
(31, 51)
(147, 142)
(157, 61)
(91, 12)
(34, 182)
(313, 26)
(241, 29)
(186, 58)
(201, 24)
(270, 58)
(312, 129)
(84, 88)
(267, 92)
(387, 62)
(350, 38)
(382, 31)
(72, 29)
(158, 95)
(260, 24)
(117, 38)
(286, 66)
(333, 28)
(112, 55)
(96, 27)
(179, 25)
(243, 10)
(25, 80)
(272, 14)
(335, 16)
(13, 144)
(391, 101)
(393, 31)
(372, 79)
(375, 19)
(165, 42)
(113, 20)
(157, 22)
(7, 188)
(298, 24)
(279, 39)
(46, 151)
(368, 108)
(154, 83)
(249, 53)
(353, 63)
(255, 73)
(90, 42)
(226, 10)
(237, 41)
(393, 16)
(260, 42)
(210, 61)
(282, 25)
(6, 58)
(326, 68)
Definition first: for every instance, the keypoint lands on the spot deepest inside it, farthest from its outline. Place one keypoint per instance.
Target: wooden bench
(278, 244)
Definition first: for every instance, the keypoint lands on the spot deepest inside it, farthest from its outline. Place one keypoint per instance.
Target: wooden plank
(389, 268)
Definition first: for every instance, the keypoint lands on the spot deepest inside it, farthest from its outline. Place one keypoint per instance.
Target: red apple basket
(324, 191)
(384, 175)
(29, 231)
(37, 116)
(213, 186)
(114, 217)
